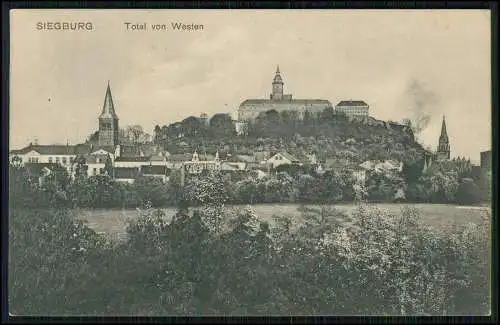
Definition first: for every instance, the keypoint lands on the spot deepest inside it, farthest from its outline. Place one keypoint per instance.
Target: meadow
(113, 222)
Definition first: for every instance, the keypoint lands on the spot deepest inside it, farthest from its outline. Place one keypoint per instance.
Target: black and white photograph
(250, 163)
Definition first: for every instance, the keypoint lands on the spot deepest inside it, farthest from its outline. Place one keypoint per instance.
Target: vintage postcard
(250, 162)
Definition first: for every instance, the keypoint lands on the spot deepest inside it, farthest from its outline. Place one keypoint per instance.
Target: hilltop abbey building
(279, 101)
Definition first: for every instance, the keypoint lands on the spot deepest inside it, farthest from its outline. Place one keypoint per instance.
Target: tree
(136, 134)
(16, 161)
(328, 114)
(108, 166)
(191, 126)
(221, 124)
(94, 137)
(247, 192)
(81, 167)
(174, 130)
(468, 192)
(307, 118)
(157, 134)
(272, 116)
(380, 186)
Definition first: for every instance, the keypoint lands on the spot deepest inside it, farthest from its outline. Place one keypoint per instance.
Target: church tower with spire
(108, 122)
(443, 149)
(277, 93)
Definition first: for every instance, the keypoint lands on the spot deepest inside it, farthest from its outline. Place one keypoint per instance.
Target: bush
(369, 262)
(469, 193)
(50, 263)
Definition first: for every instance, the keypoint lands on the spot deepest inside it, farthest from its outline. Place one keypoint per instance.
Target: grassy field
(114, 222)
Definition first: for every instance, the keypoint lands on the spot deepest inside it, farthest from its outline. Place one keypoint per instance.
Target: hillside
(334, 137)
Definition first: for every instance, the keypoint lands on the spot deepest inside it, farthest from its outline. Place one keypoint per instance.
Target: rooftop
(54, 149)
(352, 103)
(155, 170)
(132, 158)
(286, 101)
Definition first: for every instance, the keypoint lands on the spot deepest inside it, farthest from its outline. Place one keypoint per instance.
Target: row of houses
(128, 163)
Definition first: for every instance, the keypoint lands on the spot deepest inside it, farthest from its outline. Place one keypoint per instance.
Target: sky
(420, 64)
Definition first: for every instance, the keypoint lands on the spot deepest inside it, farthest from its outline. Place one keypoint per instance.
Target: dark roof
(47, 150)
(125, 172)
(54, 149)
(136, 158)
(223, 155)
(303, 157)
(352, 103)
(180, 157)
(203, 157)
(108, 109)
(241, 158)
(155, 170)
(286, 102)
(109, 149)
(92, 159)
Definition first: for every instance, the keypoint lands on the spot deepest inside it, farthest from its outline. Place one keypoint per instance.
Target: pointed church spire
(108, 109)
(443, 149)
(443, 128)
(277, 77)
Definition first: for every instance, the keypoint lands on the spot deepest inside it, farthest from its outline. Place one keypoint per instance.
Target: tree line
(285, 184)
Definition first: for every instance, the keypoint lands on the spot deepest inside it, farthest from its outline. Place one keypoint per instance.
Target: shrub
(368, 262)
(50, 263)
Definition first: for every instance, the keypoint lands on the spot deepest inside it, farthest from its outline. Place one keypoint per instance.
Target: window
(50, 160)
(57, 160)
(64, 160)
(101, 171)
(95, 171)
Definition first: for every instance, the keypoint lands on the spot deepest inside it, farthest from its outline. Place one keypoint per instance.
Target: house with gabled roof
(96, 163)
(283, 158)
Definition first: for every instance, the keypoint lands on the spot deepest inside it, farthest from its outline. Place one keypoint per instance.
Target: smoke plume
(422, 102)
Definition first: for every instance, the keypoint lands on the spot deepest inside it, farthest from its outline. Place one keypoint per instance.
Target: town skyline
(153, 83)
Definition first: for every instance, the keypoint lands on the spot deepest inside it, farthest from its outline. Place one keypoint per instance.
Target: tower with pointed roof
(277, 93)
(108, 122)
(443, 149)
